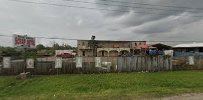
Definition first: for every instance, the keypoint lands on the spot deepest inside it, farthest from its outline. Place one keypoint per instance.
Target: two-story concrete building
(105, 48)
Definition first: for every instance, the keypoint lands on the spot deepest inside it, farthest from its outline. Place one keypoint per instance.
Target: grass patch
(102, 86)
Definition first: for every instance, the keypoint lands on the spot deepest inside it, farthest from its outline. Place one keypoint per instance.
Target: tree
(56, 46)
(40, 47)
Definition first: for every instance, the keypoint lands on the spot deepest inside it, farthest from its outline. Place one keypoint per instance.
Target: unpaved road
(184, 97)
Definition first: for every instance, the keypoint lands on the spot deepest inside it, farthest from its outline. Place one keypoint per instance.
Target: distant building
(153, 48)
(104, 48)
(45, 53)
(188, 49)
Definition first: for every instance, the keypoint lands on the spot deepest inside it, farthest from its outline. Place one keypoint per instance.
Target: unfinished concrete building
(104, 48)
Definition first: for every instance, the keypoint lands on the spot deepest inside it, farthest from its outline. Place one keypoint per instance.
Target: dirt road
(184, 97)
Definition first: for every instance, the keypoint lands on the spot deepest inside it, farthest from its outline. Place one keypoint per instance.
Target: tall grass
(102, 86)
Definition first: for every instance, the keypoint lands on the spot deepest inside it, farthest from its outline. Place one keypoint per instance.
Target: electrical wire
(101, 40)
(151, 8)
(81, 7)
(168, 6)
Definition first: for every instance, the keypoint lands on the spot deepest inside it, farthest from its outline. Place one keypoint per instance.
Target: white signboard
(191, 60)
(58, 63)
(78, 62)
(23, 41)
(7, 62)
(30, 63)
(168, 52)
(98, 62)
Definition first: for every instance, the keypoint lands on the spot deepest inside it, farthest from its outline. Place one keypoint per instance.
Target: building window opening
(122, 52)
(201, 50)
(135, 44)
(102, 53)
(190, 50)
(83, 43)
(83, 53)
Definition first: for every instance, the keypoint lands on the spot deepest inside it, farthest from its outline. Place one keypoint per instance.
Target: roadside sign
(58, 62)
(23, 41)
(7, 62)
(30, 63)
(98, 62)
(78, 62)
(191, 60)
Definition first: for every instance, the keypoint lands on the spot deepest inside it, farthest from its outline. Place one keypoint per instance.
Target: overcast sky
(153, 23)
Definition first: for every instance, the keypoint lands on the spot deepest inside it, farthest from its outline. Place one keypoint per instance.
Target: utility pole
(25, 54)
(93, 45)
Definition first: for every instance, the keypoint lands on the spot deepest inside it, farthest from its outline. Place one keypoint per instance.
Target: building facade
(188, 49)
(102, 48)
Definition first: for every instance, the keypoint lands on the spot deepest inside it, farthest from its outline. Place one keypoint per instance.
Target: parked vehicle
(153, 51)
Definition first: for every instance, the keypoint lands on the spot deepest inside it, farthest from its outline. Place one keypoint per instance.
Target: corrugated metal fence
(188, 62)
(108, 64)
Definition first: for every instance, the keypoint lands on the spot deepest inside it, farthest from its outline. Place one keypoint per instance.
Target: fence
(108, 64)
(188, 62)
(186, 54)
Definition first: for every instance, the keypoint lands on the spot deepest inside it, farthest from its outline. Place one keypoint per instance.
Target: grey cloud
(65, 22)
(134, 19)
(161, 23)
(165, 25)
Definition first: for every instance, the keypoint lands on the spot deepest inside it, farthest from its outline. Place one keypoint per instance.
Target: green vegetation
(40, 50)
(102, 86)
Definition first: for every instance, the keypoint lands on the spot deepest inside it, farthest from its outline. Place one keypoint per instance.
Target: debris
(23, 76)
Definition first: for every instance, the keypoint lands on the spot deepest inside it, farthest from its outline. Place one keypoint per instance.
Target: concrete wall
(88, 53)
(82, 44)
(113, 44)
(135, 44)
(107, 46)
(84, 47)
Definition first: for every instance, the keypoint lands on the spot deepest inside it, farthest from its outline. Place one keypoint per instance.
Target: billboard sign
(23, 41)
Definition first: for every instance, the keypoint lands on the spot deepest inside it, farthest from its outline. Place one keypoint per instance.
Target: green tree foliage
(40, 50)
(9, 51)
(40, 47)
(56, 46)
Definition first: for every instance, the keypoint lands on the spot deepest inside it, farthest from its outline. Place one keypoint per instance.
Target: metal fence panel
(109, 64)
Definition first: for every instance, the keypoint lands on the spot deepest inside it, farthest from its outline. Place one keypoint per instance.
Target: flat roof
(113, 41)
(191, 45)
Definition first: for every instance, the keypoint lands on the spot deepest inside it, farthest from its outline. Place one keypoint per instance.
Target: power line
(51, 38)
(180, 7)
(71, 6)
(101, 40)
(5, 36)
(126, 6)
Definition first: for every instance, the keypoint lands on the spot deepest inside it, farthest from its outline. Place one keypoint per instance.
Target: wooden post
(25, 57)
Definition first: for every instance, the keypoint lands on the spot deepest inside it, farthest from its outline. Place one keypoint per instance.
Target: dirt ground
(184, 97)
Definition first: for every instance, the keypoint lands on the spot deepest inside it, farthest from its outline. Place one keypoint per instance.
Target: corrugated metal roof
(189, 45)
(144, 46)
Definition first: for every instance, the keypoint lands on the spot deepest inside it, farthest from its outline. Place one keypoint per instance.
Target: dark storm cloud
(146, 21)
